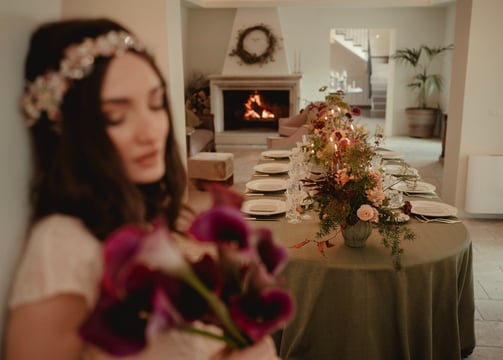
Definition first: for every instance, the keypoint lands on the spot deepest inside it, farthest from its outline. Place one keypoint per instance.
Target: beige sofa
(200, 133)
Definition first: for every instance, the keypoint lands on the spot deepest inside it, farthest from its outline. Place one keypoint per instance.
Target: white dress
(62, 256)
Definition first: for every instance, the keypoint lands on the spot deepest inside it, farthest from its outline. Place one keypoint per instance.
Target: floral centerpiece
(348, 193)
(149, 286)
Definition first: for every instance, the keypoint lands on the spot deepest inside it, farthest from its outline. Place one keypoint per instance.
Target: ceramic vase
(356, 235)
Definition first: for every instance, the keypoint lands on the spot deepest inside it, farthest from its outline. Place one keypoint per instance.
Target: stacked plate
(417, 187)
(400, 170)
(272, 168)
(267, 185)
(432, 208)
(263, 207)
(277, 154)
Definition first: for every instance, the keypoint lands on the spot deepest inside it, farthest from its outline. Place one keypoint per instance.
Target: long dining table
(352, 304)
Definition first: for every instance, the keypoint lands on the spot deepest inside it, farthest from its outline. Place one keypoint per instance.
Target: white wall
(207, 35)
(342, 59)
(307, 30)
(475, 124)
(158, 25)
(17, 20)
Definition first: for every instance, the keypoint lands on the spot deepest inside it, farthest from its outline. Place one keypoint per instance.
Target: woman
(104, 156)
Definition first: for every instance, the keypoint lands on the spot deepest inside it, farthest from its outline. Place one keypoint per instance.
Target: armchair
(288, 126)
(200, 133)
(290, 130)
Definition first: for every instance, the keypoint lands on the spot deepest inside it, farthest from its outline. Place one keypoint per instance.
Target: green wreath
(249, 58)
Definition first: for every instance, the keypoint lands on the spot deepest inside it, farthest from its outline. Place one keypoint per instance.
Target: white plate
(386, 154)
(277, 154)
(400, 170)
(263, 207)
(432, 208)
(266, 185)
(272, 168)
(414, 187)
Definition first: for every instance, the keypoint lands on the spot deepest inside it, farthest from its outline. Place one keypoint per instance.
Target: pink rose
(365, 212)
(376, 195)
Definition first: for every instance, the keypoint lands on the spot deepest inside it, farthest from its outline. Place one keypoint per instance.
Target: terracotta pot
(422, 121)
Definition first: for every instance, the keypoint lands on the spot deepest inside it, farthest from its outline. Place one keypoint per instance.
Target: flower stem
(218, 307)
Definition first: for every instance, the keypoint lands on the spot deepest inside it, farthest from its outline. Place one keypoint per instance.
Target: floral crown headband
(46, 92)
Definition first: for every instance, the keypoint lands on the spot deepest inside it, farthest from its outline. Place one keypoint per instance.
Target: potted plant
(422, 118)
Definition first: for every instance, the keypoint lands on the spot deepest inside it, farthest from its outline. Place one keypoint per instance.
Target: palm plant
(423, 82)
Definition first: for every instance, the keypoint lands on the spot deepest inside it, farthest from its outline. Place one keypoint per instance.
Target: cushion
(288, 126)
(199, 138)
(191, 119)
(211, 166)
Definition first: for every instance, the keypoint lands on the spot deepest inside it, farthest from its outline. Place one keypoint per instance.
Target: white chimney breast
(249, 17)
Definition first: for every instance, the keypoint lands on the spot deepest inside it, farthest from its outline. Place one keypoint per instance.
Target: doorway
(359, 59)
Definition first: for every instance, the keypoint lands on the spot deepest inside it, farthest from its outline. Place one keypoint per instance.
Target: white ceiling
(337, 3)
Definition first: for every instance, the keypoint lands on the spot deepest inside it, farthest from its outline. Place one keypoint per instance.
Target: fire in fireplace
(254, 109)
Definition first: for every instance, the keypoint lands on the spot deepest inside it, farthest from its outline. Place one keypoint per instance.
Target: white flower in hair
(46, 92)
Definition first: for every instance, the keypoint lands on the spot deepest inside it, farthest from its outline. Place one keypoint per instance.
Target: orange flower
(342, 177)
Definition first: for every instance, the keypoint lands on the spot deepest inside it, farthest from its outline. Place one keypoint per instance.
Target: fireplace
(279, 95)
(253, 109)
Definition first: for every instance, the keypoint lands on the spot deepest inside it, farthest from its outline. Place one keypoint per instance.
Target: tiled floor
(487, 237)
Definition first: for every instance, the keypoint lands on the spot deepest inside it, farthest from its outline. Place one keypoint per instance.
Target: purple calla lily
(272, 255)
(118, 325)
(149, 286)
(260, 314)
(164, 314)
(223, 196)
(178, 291)
(119, 322)
(221, 225)
(120, 248)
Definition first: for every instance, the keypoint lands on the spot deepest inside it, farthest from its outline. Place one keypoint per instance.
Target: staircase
(357, 41)
(379, 82)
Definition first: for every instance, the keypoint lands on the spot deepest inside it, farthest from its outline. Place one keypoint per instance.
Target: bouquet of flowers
(199, 102)
(347, 189)
(197, 94)
(148, 286)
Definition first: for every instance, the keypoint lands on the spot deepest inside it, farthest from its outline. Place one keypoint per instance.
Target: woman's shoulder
(58, 223)
(57, 236)
(61, 256)
(63, 230)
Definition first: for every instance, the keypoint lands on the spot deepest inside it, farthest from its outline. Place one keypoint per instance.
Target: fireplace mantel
(219, 83)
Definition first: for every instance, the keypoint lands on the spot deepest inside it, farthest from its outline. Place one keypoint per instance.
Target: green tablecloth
(352, 304)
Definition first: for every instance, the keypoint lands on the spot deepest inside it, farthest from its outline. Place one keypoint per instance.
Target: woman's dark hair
(77, 171)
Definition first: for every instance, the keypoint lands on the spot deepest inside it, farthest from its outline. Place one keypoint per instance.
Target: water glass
(293, 202)
(395, 198)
